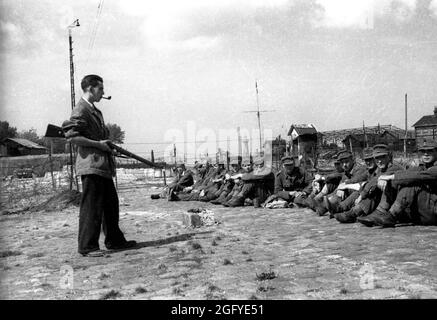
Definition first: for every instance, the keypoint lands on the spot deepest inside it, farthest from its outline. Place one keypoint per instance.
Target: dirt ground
(250, 254)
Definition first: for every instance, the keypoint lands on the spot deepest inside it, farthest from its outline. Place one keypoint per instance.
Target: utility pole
(406, 128)
(73, 98)
(258, 114)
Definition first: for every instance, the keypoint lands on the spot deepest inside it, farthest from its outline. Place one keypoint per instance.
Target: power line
(94, 31)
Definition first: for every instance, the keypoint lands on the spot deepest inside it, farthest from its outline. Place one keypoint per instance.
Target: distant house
(394, 139)
(361, 137)
(426, 127)
(303, 141)
(14, 147)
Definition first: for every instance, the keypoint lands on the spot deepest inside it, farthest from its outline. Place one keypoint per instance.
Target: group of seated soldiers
(379, 193)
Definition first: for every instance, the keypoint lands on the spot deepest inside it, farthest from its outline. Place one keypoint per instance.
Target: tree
(116, 135)
(7, 131)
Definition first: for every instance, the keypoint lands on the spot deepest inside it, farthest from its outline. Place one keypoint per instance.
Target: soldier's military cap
(367, 153)
(428, 145)
(287, 160)
(380, 150)
(343, 154)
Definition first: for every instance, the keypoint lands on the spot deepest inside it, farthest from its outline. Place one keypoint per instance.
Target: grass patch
(343, 291)
(140, 290)
(265, 289)
(10, 253)
(196, 245)
(244, 252)
(217, 238)
(162, 267)
(266, 276)
(173, 248)
(253, 297)
(214, 243)
(177, 290)
(103, 276)
(227, 262)
(110, 295)
(249, 260)
(36, 255)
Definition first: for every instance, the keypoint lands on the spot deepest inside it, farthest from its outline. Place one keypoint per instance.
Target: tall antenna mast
(258, 114)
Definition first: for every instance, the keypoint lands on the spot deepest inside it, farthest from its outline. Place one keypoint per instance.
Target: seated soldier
(334, 204)
(257, 185)
(370, 195)
(353, 176)
(416, 193)
(291, 182)
(238, 184)
(321, 186)
(217, 181)
(183, 179)
(228, 183)
(205, 174)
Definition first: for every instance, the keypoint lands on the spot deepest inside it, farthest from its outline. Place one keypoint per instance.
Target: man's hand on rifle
(104, 146)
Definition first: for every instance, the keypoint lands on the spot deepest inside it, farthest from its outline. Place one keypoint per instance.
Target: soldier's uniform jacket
(417, 176)
(372, 184)
(299, 180)
(183, 180)
(87, 121)
(357, 174)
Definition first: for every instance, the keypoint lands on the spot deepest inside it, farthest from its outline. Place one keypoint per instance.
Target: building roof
(25, 143)
(426, 121)
(302, 129)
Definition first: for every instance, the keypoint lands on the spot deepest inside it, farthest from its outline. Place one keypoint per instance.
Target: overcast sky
(333, 63)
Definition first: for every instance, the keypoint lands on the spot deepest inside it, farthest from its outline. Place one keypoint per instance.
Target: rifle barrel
(133, 155)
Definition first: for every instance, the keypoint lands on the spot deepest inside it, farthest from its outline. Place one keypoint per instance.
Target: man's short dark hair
(90, 80)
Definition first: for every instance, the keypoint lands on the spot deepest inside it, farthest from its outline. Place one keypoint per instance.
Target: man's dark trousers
(98, 206)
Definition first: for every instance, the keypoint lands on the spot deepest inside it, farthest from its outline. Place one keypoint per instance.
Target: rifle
(57, 132)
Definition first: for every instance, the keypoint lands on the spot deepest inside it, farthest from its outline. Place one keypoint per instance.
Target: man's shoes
(332, 207)
(321, 210)
(346, 217)
(311, 203)
(173, 197)
(235, 202)
(385, 219)
(300, 201)
(126, 245)
(93, 254)
(378, 218)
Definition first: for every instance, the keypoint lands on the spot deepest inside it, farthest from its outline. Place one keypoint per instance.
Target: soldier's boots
(173, 197)
(332, 207)
(378, 218)
(300, 201)
(311, 203)
(321, 209)
(346, 216)
(235, 202)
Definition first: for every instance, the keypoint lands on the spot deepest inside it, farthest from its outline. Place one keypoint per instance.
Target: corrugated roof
(426, 121)
(26, 143)
(302, 129)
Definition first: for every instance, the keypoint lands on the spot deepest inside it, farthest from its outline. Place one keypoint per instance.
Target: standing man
(96, 166)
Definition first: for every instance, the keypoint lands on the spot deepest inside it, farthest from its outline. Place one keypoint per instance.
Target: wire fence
(28, 181)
